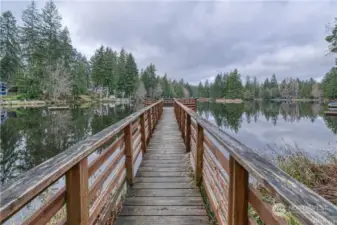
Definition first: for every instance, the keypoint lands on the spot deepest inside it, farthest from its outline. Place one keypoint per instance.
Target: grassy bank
(317, 173)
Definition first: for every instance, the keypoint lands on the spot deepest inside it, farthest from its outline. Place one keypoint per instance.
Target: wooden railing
(95, 171)
(225, 167)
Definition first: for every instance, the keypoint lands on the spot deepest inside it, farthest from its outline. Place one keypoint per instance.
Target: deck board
(163, 192)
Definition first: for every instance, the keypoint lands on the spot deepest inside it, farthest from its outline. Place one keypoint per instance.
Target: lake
(267, 127)
(31, 136)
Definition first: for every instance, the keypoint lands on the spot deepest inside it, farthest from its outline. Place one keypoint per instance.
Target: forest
(39, 61)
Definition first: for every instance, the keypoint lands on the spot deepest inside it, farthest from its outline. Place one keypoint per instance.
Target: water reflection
(33, 135)
(262, 124)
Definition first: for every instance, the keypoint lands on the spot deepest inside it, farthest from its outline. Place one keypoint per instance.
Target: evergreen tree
(166, 87)
(10, 62)
(30, 37)
(66, 49)
(200, 90)
(50, 33)
(131, 76)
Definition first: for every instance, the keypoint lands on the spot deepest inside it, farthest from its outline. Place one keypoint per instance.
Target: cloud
(196, 40)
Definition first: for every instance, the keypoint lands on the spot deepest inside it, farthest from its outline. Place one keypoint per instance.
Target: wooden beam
(150, 124)
(183, 125)
(188, 133)
(199, 157)
(238, 194)
(128, 153)
(142, 132)
(77, 194)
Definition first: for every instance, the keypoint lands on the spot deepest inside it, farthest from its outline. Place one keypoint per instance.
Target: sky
(195, 40)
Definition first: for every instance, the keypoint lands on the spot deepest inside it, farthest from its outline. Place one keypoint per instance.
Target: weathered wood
(278, 183)
(96, 163)
(163, 220)
(149, 118)
(98, 183)
(77, 194)
(263, 209)
(164, 192)
(18, 192)
(188, 133)
(165, 169)
(142, 130)
(48, 210)
(163, 185)
(128, 154)
(115, 183)
(163, 201)
(183, 125)
(238, 205)
(199, 157)
(163, 211)
(162, 181)
(162, 174)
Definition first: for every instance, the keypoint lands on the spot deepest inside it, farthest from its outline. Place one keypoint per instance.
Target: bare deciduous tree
(57, 82)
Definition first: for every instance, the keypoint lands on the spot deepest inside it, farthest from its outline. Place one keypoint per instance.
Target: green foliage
(10, 62)
(330, 83)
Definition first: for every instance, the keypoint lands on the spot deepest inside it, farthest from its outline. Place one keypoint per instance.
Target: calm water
(265, 126)
(33, 135)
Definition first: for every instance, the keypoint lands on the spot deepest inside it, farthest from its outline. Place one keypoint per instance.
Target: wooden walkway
(163, 193)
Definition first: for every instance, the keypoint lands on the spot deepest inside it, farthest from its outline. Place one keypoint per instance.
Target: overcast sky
(195, 40)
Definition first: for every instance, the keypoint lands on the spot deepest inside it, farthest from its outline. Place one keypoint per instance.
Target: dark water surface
(263, 126)
(33, 135)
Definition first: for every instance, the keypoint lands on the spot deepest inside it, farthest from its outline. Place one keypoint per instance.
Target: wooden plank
(165, 169)
(163, 192)
(162, 220)
(99, 181)
(106, 194)
(239, 187)
(142, 131)
(162, 179)
(163, 211)
(18, 192)
(188, 133)
(199, 156)
(166, 165)
(263, 209)
(48, 210)
(163, 185)
(96, 163)
(150, 124)
(77, 194)
(162, 174)
(128, 154)
(165, 157)
(171, 201)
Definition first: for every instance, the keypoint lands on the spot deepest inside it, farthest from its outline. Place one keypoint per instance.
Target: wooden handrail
(242, 162)
(73, 163)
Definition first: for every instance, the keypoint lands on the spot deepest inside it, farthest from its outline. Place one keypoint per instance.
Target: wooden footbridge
(160, 165)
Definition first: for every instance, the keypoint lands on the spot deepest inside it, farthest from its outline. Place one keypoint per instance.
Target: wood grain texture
(77, 194)
(162, 187)
(314, 208)
(18, 192)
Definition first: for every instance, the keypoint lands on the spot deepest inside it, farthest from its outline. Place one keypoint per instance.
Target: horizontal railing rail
(94, 170)
(224, 167)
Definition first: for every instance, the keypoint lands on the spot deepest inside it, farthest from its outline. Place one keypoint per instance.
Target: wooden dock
(162, 157)
(163, 192)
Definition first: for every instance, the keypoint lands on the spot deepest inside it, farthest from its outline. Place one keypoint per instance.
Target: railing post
(128, 153)
(149, 124)
(200, 155)
(181, 119)
(77, 194)
(142, 132)
(238, 194)
(188, 132)
(183, 126)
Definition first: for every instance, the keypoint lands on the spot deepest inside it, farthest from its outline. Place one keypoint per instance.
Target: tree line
(230, 85)
(39, 60)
